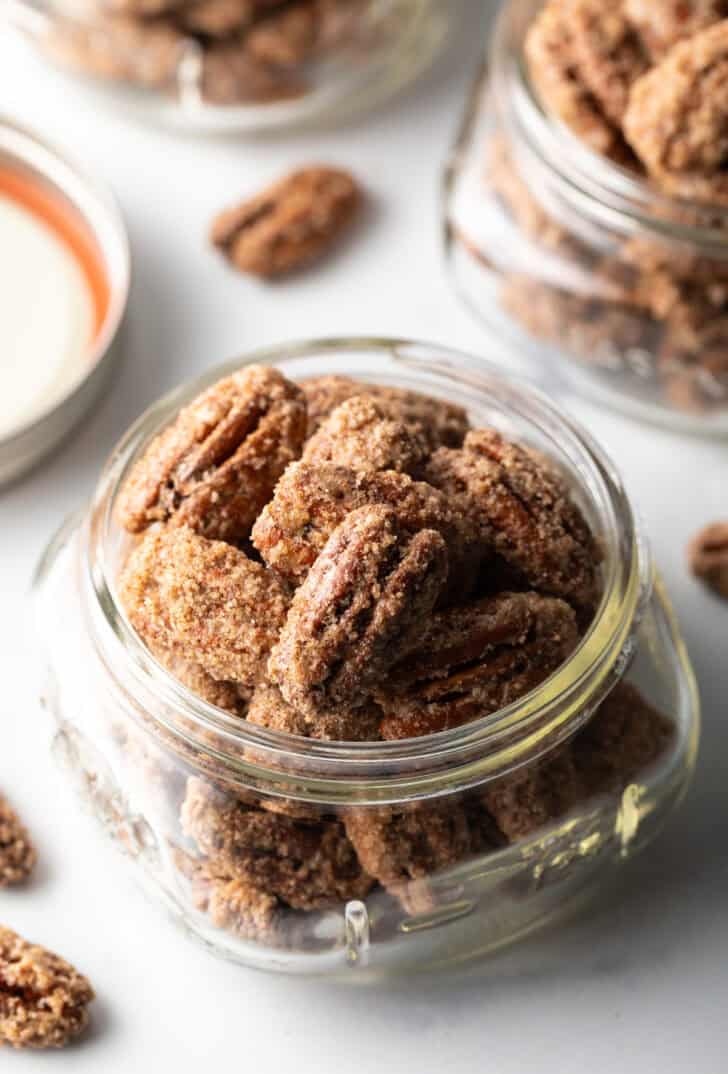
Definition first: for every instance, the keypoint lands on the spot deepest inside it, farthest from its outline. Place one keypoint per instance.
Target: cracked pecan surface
(677, 120)
(708, 557)
(475, 660)
(364, 603)
(17, 853)
(361, 434)
(290, 223)
(441, 422)
(304, 865)
(43, 999)
(216, 465)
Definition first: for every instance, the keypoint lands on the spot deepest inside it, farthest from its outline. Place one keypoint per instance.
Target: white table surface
(639, 985)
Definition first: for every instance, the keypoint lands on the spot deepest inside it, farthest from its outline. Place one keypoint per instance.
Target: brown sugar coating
(662, 23)
(224, 610)
(441, 422)
(708, 557)
(268, 708)
(534, 795)
(43, 999)
(526, 512)
(476, 660)
(17, 853)
(216, 18)
(360, 434)
(232, 903)
(608, 53)
(216, 465)
(363, 605)
(306, 866)
(677, 119)
(310, 501)
(287, 37)
(289, 224)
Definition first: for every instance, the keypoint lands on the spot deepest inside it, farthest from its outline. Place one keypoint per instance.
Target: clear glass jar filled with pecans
(585, 215)
(358, 655)
(237, 65)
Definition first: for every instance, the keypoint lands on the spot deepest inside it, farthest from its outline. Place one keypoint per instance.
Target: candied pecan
(607, 52)
(534, 795)
(230, 75)
(363, 605)
(360, 434)
(662, 23)
(268, 708)
(233, 903)
(17, 853)
(625, 735)
(677, 119)
(289, 224)
(216, 465)
(397, 847)
(552, 66)
(121, 47)
(286, 37)
(708, 557)
(311, 501)
(225, 611)
(142, 8)
(525, 510)
(216, 18)
(474, 660)
(442, 423)
(43, 999)
(307, 866)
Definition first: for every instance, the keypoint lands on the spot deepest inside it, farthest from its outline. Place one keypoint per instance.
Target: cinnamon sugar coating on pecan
(362, 435)
(216, 18)
(534, 795)
(363, 605)
(474, 660)
(287, 37)
(677, 119)
(225, 611)
(305, 865)
(608, 53)
(310, 501)
(43, 999)
(17, 853)
(708, 557)
(268, 708)
(663, 23)
(232, 903)
(216, 465)
(441, 422)
(289, 224)
(525, 511)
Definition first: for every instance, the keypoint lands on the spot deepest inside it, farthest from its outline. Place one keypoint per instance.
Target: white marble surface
(641, 985)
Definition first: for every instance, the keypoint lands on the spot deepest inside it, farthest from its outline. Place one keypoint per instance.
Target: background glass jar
(577, 263)
(220, 65)
(247, 835)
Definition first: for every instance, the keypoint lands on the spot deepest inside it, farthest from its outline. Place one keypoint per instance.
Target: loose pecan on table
(708, 557)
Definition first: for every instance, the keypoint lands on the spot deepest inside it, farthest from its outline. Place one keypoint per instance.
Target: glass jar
(579, 264)
(171, 777)
(331, 58)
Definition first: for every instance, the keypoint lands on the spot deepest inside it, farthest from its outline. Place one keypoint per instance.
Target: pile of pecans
(351, 562)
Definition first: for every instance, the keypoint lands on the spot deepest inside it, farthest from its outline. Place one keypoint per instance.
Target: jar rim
(597, 184)
(425, 765)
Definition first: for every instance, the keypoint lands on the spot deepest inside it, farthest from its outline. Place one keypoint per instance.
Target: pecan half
(287, 37)
(474, 660)
(268, 708)
(231, 75)
(43, 999)
(661, 25)
(677, 119)
(525, 511)
(360, 434)
(290, 223)
(442, 423)
(363, 605)
(708, 557)
(232, 903)
(305, 865)
(17, 853)
(534, 795)
(217, 464)
(608, 53)
(216, 18)
(311, 501)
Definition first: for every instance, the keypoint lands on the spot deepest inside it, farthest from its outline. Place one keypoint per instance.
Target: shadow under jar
(576, 261)
(362, 858)
(237, 65)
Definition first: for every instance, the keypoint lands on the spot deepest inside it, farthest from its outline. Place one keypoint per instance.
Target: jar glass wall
(578, 264)
(225, 66)
(190, 792)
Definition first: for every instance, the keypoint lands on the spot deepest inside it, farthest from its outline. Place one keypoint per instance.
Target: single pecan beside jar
(473, 660)
(363, 605)
(708, 557)
(43, 999)
(290, 223)
(17, 853)
(217, 464)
